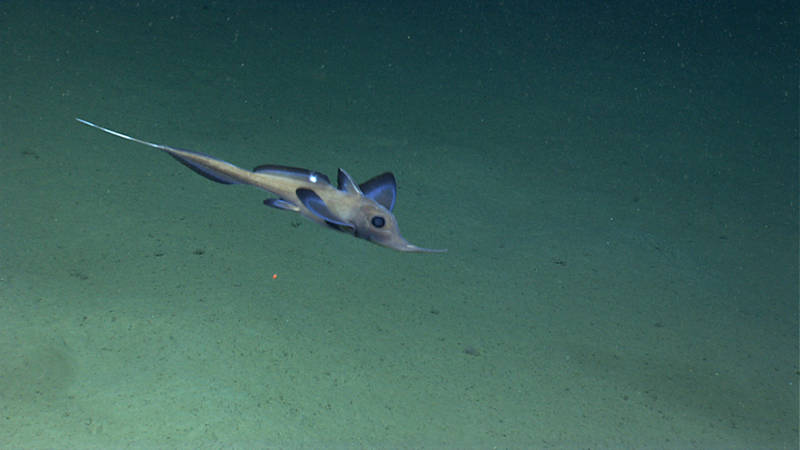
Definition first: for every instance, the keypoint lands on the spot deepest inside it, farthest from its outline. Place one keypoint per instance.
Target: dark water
(616, 184)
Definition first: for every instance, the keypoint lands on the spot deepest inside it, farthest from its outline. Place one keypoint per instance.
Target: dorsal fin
(347, 184)
(382, 189)
(293, 172)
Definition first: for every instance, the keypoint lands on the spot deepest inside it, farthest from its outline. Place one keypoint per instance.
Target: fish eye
(378, 222)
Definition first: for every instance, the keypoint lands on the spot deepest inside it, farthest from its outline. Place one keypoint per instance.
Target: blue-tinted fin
(293, 172)
(345, 183)
(204, 171)
(281, 204)
(315, 204)
(382, 189)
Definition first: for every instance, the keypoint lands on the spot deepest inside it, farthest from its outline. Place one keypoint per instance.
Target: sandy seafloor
(616, 184)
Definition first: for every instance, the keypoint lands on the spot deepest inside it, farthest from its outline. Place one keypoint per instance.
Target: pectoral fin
(315, 204)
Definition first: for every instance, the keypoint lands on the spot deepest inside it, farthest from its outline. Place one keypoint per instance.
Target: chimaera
(364, 211)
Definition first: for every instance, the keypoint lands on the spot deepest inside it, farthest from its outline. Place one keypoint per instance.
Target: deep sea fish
(361, 210)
